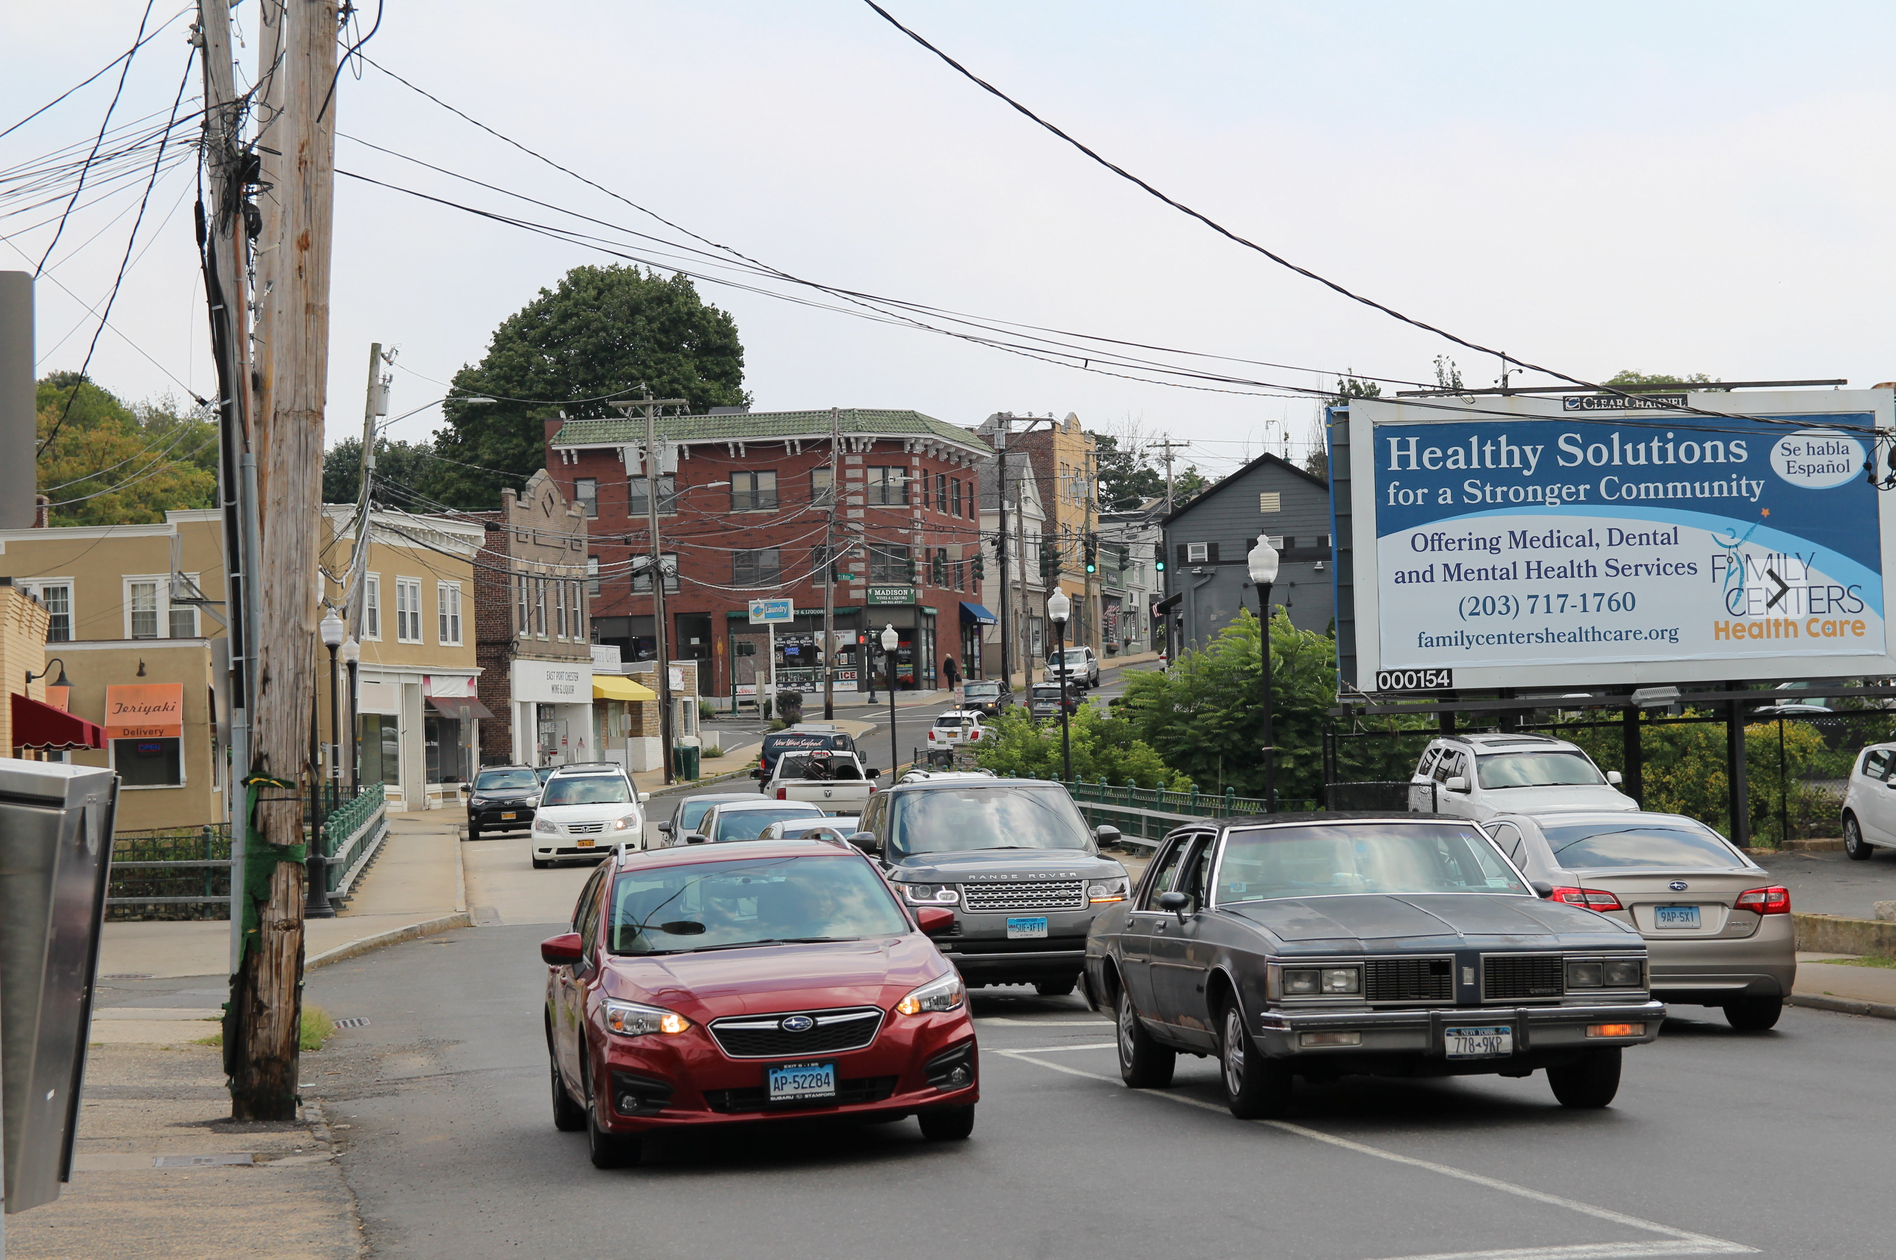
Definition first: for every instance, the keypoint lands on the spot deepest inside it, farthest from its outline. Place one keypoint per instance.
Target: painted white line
(1692, 1244)
(1037, 1023)
(1589, 1251)
(1091, 1045)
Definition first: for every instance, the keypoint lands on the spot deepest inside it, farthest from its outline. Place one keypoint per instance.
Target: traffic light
(1049, 561)
(980, 564)
(938, 568)
(1125, 556)
(1158, 557)
(910, 562)
(1092, 553)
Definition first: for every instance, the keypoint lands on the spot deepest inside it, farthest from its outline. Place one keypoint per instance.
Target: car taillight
(976, 734)
(783, 794)
(1587, 898)
(931, 734)
(1766, 901)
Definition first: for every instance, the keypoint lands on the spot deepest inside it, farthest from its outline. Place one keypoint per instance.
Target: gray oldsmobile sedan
(1332, 945)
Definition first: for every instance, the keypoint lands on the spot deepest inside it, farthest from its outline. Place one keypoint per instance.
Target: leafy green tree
(107, 463)
(406, 471)
(1629, 379)
(600, 334)
(1349, 386)
(1127, 477)
(1447, 375)
(1104, 746)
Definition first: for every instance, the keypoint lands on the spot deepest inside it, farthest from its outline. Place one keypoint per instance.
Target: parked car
(712, 986)
(1325, 946)
(1718, 931)
(503, 799)
(690, 809)
(1079, 665)
(834, 782)
(954, 728)
(989, 699)
(803, 737)
(1014, 861)
(1479, 776)
(836, 829)
(584, 812)
(746, 819)
(1869, 803)
(1044, 700)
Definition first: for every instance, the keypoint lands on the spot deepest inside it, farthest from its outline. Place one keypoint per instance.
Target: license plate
(1675, 916)
(1027, 929)
(586, 843)
(1479, 1043)
(795, 1081)
(507, 817)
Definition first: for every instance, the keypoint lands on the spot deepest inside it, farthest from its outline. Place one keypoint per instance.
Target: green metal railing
(170, 873)
(1145, 815)
(351, 835)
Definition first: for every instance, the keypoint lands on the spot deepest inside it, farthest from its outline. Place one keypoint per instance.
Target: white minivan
(585, 812)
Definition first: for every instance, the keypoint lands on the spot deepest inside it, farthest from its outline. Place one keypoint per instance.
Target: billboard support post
(1737, 786)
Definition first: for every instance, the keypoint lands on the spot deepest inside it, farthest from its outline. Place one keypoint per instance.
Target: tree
(1104, 746)
(1349, 386)
(1126, 476)
(1628, 379)
(1447, 375)
(107, 463)
(403, 470)
(600, 335)
(1317, 459)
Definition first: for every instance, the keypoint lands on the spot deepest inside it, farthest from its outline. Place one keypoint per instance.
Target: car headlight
(544, 827)
(629, 823)
(1101, 891)
(1315, 981)
(631, 1019)
(931, 894)
(944, 994)
(1584, 975)
(1625, 973)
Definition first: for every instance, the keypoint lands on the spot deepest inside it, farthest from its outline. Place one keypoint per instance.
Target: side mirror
(696, 837)
(1456, 783)
(1176, 902)
(934, 920)
(665, 827)
(1106, 835)
(866, 841)
(1542, 889)
(644, 797)
(561, 950)
(1613, 777)
(870, 772)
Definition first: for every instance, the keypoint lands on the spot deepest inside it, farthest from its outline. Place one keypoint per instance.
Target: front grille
(1409, 980)
(863, 1089)
(585, 829)
(1505, 976)
(1039, 894)
(764, 1037)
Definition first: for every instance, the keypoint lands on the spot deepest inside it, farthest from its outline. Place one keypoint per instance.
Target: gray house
(1207, 540)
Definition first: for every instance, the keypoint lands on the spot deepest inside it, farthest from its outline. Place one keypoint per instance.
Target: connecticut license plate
(1479, 1043)
(507, 817)
(795, 1081)
(1675, 916)
(1027, 929)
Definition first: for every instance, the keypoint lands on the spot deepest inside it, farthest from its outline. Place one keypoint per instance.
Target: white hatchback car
(1869, 803)
(1479, 776)
(585, 812)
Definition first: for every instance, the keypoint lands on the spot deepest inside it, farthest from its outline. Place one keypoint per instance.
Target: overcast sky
(1679, 187)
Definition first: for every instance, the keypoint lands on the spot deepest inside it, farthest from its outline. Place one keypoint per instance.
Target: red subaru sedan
(743, 982)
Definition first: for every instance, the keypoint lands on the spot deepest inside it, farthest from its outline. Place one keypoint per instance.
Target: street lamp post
(890, 640)
(316, 905)
(351, 655)
(1058, 609)
(1263, 565)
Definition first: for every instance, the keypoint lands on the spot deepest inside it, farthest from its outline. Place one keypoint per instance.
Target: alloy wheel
(1233, 1049)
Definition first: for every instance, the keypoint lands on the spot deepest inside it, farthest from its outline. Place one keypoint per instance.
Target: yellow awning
(614, 687)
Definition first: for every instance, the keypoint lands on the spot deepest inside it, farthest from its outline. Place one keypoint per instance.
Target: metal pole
(355, 731)
(1066, 740)
(1000, 555)
(335, 733)
(1270, 749)
(895, 757)
(316, 863)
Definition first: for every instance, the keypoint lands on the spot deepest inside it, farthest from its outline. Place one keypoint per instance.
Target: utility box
(55, 856)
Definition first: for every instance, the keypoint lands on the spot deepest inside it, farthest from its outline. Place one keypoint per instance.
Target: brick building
(1063, 461)
(746, 512)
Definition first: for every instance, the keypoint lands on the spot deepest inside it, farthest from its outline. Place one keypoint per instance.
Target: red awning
(37, 725)
(462, 707)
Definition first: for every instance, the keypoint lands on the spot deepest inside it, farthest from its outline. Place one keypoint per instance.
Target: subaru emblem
(1677, 885)
(797, 1023)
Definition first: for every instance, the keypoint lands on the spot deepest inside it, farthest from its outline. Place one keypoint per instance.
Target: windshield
(1047, 693)
(1537, 769)
(591, 789)
(542, 773)
(503, 780)
(745, 824)
(949, 722)
(1674, 846)
(961, 819)
(819, 766)
(691, 811)
(1074, 656)
(1328, 861)
(981, 690)
(719, 905)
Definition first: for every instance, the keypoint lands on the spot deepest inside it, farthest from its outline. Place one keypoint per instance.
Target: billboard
(1548, 541)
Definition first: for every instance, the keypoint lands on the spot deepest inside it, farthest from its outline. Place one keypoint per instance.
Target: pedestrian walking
(949, 672)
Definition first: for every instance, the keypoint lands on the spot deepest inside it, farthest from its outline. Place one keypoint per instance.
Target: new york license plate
(1488, 1042)
(1675, 916)
(795, 1081)
(507, 817)
(1027, 929)
(586, 842)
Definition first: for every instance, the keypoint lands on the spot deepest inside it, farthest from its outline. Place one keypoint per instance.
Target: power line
(97, 73)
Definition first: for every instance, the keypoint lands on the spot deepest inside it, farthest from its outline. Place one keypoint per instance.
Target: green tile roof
(765, 426)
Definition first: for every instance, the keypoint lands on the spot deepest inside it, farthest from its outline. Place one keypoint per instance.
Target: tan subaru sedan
(1718, 931)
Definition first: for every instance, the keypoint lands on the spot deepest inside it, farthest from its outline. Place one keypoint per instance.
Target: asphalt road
(1720, 1143)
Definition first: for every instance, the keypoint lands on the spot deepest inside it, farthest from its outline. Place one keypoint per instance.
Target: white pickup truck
(835, 782)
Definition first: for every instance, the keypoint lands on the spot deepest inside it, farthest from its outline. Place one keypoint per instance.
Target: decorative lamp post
(1263, 565)
(316, 905)
(351, 653)
(890, 640)
(1059, 607)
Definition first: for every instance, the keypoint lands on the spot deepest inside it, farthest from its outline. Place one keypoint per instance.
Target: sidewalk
(1828, 985)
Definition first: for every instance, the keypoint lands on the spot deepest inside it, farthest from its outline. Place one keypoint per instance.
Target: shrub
(1104, 746)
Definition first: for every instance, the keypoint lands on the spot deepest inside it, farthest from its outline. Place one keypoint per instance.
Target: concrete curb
(396, 936)
(1834, 934)
(1844, 1006)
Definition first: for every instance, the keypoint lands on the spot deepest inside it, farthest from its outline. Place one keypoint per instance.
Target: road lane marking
(1680, 1242)
(1091, 1045)
(1038, 1023)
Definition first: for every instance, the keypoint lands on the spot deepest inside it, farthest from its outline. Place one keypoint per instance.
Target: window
(379, 747)
(642, 576)
(448, 612)
(58, 600)
(955, 486)
(148, 762)
(143, 605)
(822, 482)
(925, 497)
(559, 609)
(539, 606)
(636, 504)
(888, 562)
(1198, 553)
(961, 575)
(184, 621)
(407, 610)
(754, 491)
(586, 494)
(756, 568)
(372, 607)
(524, 585)
(941, 491)
(592, 576)
(575, 618)
(888, 486)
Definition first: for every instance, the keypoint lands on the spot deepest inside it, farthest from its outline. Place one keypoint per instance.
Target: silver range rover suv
(1012, 858)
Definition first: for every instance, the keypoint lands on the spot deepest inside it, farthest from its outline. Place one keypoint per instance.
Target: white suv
(585, 812)
(1479, 776)
(1869, 803)
(1080, 666)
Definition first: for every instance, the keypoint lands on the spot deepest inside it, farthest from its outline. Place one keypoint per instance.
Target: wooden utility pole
(267, 991)
(660, 640)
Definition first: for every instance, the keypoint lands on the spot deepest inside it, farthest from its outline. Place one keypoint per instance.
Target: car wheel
(568, 1116)
(1055, 988)
(1754, 1014)
(607, 1150)
(947, 1124)
(1255, 1088)
(1853, 842)
(1143, 1062)
(1590, 1081)
(473, 830)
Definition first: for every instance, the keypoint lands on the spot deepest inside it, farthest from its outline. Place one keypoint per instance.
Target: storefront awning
(465, 708)
(615, 687)
(1166, 605)
(37, 725)
(977, 615)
